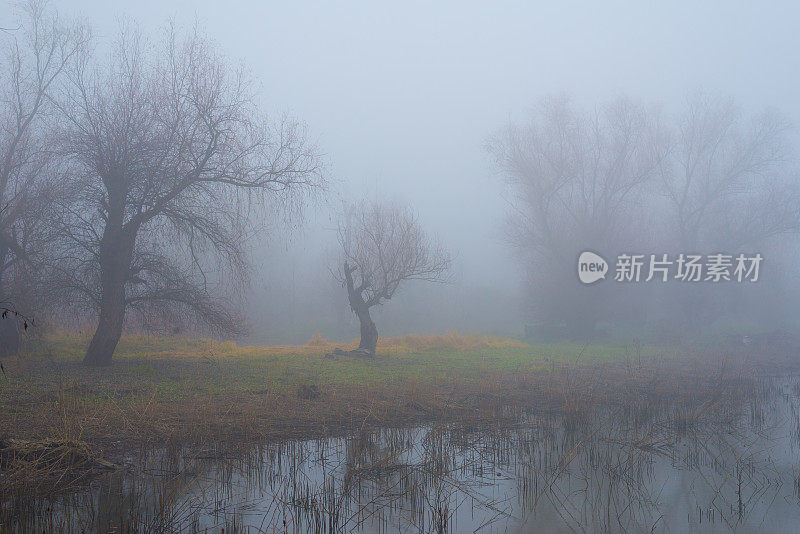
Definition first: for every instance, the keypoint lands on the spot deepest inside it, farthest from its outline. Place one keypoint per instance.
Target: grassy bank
(172, 391)
(162, 389)
(173, 388)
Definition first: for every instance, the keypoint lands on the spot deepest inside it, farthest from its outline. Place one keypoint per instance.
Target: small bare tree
(384, 246)
(169, 157)
(35, 56)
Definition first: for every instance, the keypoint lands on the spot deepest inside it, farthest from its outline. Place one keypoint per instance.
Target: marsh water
(710, 468)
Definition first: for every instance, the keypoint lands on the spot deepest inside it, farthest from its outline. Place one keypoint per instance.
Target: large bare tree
(171, 159)
(726, 178)
(384, 246)
(575, 180)
(35, 55)
(730, 188)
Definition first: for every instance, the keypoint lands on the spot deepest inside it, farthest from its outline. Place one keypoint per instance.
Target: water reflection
(712, 466)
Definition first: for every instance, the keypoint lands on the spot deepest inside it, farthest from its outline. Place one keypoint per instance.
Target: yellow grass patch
(395, 345)
(138, 345)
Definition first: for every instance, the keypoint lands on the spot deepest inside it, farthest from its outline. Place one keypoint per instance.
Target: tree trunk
(369, 332)
(581, 324)
(116, 253)
(9, 336)
(9, 329)
(109, 327)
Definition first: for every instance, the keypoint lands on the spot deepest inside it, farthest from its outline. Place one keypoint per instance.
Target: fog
(402, 99)
(424, 267)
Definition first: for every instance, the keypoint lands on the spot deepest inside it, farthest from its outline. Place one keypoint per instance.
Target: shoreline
(253, 396)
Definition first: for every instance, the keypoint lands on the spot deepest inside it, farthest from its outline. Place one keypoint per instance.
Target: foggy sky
(402, 96)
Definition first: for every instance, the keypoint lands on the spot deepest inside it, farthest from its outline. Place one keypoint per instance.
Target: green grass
(140, 355)
(160, 388)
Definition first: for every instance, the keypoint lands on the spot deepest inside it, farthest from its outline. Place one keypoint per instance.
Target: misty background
(402, 100)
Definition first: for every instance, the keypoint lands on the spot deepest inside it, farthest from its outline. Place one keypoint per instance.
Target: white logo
(692, 268)
(591, 267)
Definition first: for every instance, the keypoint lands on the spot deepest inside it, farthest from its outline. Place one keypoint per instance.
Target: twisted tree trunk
(369, 332)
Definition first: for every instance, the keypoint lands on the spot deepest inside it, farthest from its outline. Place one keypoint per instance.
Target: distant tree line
(623, 177)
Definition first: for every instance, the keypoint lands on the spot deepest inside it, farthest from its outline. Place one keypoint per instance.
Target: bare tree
(726, 179)
(384, 246)
(169, 156)
(36, 56)
(575, 182)
(730, 188)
